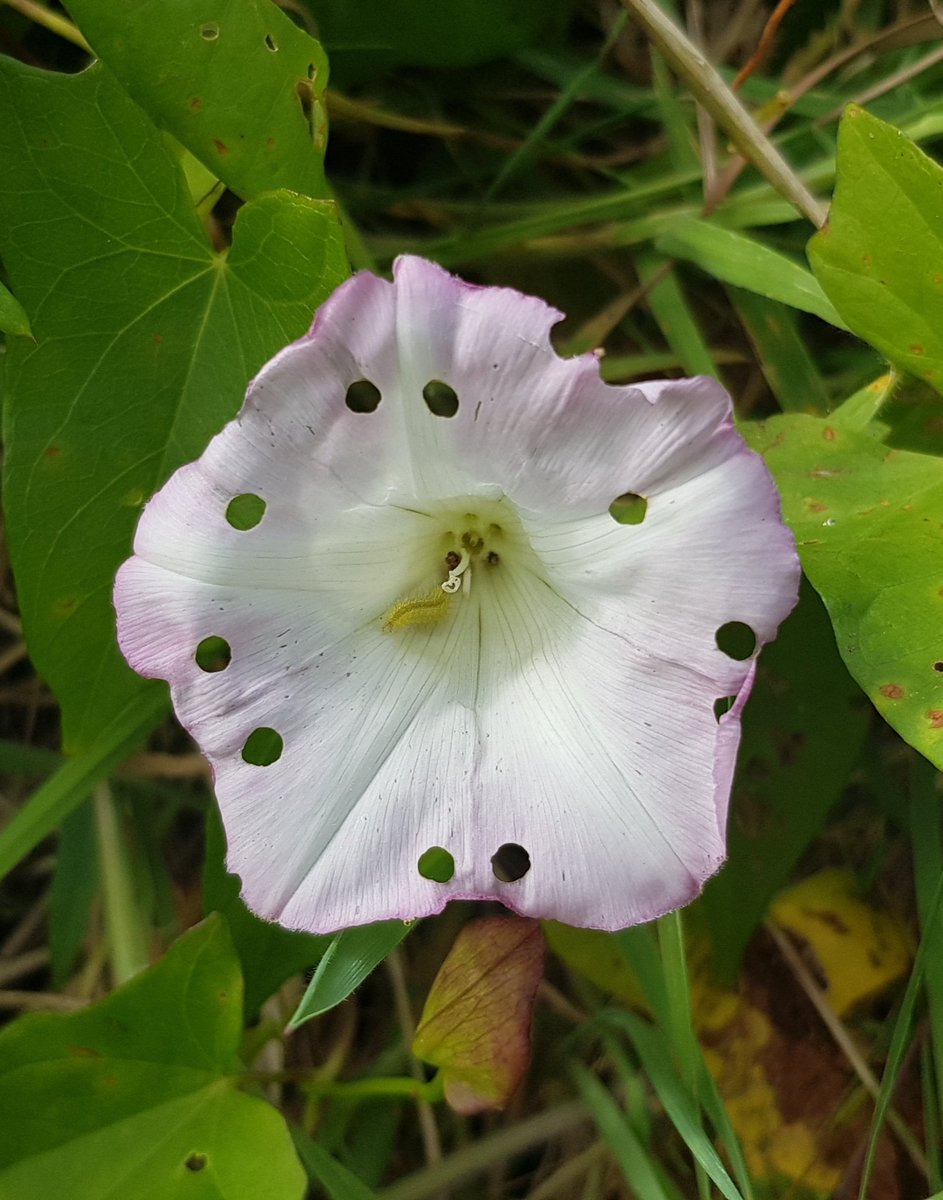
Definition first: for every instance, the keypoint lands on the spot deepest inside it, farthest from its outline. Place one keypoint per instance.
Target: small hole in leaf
(363, 396)
(209, 32)
(736, 640)
(629, 509)
(312, 70)
(938, 666)
(510, 862)
(723, 705)
(270, 43)
(437, 864)
(263, 747)
(195, 1162)
(245, 511)
(213, 654)
(305, 94)
(441, 400)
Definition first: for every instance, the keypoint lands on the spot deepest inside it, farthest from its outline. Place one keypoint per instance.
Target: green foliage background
(166, 225)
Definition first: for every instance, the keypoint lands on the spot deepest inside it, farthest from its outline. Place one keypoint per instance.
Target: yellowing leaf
(598, 957)
(860, 949)
(476, 1022)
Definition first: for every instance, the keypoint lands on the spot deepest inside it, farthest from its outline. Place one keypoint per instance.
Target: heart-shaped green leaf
(145, 339)
(136, 1096)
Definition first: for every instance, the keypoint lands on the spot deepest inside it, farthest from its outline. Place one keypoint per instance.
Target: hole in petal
(209, 32)
(245, 511)
(363, 396)
(437, 864)
(441, 400)
(213, 654)
(510, 862)
(263, 747)
(195, 1162)
(723, 705)
(629, 509)
(270, 43)
(736, 640)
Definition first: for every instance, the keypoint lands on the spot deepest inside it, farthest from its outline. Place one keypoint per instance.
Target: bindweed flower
(424, 659)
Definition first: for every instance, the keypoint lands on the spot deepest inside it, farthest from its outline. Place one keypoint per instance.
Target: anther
(454, 581)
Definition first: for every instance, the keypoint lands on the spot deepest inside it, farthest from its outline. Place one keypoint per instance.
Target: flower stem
(708, 87)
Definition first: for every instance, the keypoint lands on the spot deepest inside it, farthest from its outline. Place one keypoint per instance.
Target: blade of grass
(339, 1182)
(673, 118)
(734, 258)
(928, 870)
(128, 940)
(676, 1019)
(931, 1116)
(670, 309)
(62, 792)
(346, 963)
(571, 91)
(486, 1152)
(786, 363)
(656, 1057)
(900, 1038)
(637, 1167)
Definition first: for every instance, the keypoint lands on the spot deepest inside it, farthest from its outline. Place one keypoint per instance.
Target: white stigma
(459, 576)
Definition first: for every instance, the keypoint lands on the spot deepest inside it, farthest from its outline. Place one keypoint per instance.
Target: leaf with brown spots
(877, 257)
(875, 554)
(236, 81)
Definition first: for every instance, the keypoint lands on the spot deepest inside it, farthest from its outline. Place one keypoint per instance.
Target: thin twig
(709, 88)
(40, 1001)
(844, 1042)
(706, 129)
(23, 932)
(904, 75)
(562, 1182)
(479, 1157)
(11, 656)
(768, 36)
(10, 621)
(22, 964)
(427, 1124)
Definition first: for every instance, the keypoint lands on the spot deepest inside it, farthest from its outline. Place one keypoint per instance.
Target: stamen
(455, 581)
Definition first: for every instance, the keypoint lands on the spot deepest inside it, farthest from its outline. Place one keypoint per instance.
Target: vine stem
(709, 88)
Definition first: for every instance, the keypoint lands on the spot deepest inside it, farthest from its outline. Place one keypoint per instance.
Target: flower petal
(565, 708)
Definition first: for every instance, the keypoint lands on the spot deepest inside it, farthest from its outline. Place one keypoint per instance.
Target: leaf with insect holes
(236, 81)
(136, 1096)
(476, 1022)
